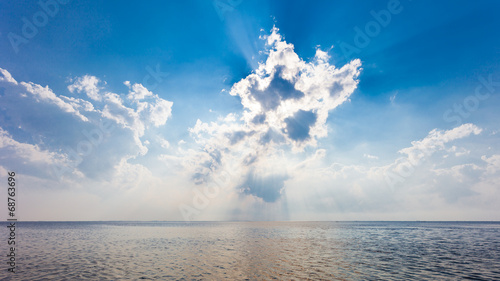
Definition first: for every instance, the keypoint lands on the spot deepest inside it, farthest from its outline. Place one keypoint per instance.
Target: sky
(251, 110)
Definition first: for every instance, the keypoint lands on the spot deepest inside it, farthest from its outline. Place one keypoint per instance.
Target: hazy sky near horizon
(251, 110)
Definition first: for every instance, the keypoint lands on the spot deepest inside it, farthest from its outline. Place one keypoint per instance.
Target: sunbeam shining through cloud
(250, 140)
(251, 117)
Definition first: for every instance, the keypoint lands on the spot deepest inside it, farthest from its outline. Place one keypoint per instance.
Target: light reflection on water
(256, 251)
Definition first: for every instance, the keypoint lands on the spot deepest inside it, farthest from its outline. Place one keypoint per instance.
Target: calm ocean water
(255, 251)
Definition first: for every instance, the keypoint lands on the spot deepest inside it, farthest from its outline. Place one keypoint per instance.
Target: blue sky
(251, 110)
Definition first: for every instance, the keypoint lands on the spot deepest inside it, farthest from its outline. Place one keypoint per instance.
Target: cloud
(436, 140)
(493, 164)
(393, 98)
(299, 125)
(24, 150)
(369, 156)
(29, 158)
(435, 185)
(7, 77)
(456, 182)
(44, 94)
(269, 188)
(86, 84)
(92, 136)
(286, 102)
(285, 89)
(459, 151)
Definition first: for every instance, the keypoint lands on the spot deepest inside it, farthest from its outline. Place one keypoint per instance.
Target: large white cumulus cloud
(290, 97)
(286, 102)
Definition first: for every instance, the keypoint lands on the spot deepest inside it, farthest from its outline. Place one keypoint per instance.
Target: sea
(253, 251)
